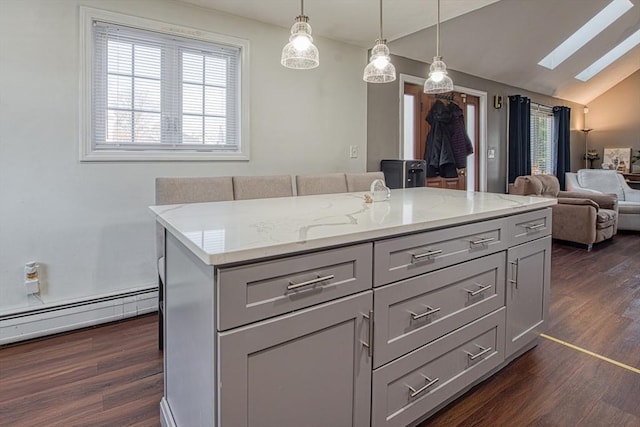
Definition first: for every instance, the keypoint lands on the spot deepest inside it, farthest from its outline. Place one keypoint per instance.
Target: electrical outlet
(353, 151)
(32, 286)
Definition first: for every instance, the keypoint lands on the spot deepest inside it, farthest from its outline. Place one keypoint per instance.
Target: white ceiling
(500, 40)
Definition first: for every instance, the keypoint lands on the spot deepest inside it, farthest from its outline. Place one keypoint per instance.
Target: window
(159, 92)
(542, 147)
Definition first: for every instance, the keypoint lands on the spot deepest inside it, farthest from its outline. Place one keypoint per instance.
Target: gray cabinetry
(408, 256)
(248, 293)
(380, 332)
(528, 279)
(310, 368)
(415, 311)
(411, 386)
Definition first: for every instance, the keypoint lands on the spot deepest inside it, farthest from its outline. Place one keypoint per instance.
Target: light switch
(491, 154)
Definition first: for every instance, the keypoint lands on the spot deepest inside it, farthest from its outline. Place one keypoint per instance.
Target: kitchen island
(329, 311)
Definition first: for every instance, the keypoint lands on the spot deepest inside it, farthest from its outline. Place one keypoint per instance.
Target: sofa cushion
(605, 218)
(605, 181)
(629, 207)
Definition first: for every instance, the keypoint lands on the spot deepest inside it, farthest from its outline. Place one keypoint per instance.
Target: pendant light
(438, 81)
(380, 69)
(300, 53)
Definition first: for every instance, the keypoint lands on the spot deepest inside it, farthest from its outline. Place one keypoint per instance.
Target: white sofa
(609, 181)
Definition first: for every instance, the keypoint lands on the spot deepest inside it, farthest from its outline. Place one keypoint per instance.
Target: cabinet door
(528, 278)
(310, 368)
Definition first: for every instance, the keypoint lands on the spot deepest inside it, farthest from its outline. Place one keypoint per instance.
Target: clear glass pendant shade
(438, 81)
(300, 53)
(380, 69)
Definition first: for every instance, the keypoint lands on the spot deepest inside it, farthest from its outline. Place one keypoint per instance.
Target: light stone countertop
(235, 231)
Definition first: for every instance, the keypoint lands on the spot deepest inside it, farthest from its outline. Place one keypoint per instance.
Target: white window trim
(87, 152)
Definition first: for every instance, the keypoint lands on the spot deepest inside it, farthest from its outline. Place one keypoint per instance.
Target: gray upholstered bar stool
(170, 191)
(327, 183)
(262, 187)
(362, 181)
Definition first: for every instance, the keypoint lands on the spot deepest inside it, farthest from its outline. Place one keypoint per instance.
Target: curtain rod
(541, 106)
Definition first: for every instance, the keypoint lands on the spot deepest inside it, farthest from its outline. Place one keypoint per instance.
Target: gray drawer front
(403, 257)
(455, 360)
(261, 290)
(529, 226)
(455, 295)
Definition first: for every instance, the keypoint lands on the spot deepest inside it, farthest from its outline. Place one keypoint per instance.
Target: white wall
(88, 223)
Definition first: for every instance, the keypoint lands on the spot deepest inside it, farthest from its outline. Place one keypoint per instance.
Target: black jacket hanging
(439, 154)
(460, 142)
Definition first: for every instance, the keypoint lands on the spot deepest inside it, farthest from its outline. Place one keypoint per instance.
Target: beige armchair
(578, 217)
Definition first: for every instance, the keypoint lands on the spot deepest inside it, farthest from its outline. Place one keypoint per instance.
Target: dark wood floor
(112, 375)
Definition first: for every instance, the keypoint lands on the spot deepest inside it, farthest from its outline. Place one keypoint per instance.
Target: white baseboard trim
(52, 319)
(166, 418)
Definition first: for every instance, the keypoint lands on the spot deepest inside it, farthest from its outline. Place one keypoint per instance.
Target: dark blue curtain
(519, 137)
(561, 124)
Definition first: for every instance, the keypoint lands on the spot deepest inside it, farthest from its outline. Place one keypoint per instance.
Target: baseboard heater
(37, 321)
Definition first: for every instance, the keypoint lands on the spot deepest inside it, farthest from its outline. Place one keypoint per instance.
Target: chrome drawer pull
(417, 257)
(482, 241)
(483, 351)
(429, 312)
(369, 345)
(478, 291)
(532, 227)
(413, 392)
(515, 279)
(292, 286)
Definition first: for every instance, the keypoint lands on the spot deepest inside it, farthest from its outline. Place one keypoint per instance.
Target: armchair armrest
(605, 201)
(572, 201)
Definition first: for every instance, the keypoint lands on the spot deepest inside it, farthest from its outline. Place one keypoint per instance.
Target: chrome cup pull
(481, 289)
(482, 241)
(428, 254)
(429, 312)
(413, 392)
(293, 286)
(482, 352)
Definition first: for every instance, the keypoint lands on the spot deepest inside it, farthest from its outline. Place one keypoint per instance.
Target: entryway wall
(384, 119)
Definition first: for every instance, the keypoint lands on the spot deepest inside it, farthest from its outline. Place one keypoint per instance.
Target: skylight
(615, 53)
(588, 31)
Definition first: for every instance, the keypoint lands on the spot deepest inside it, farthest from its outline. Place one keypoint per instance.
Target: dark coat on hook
(439, 154)
(460, 142)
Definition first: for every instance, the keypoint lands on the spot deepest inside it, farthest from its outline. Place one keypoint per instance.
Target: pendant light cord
(380, 19)
(438, 32)
(302, 7)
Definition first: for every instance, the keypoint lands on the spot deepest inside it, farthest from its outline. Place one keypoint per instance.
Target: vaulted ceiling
(500, 40)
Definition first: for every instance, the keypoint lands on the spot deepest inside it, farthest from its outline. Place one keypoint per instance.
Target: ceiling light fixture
(629, 43)
(584, 34)
(438, 81)
(379, 69)
(300, 53)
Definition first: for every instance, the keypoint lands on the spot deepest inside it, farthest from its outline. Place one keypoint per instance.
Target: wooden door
(309, 368)
(422, 103)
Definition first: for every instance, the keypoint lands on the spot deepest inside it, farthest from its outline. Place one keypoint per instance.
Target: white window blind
(153, 92)
(542, 148)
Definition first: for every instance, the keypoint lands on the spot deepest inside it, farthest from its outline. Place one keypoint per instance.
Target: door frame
(482, 143)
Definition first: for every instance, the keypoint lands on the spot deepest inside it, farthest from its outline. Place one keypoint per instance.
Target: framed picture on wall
(617, 158)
